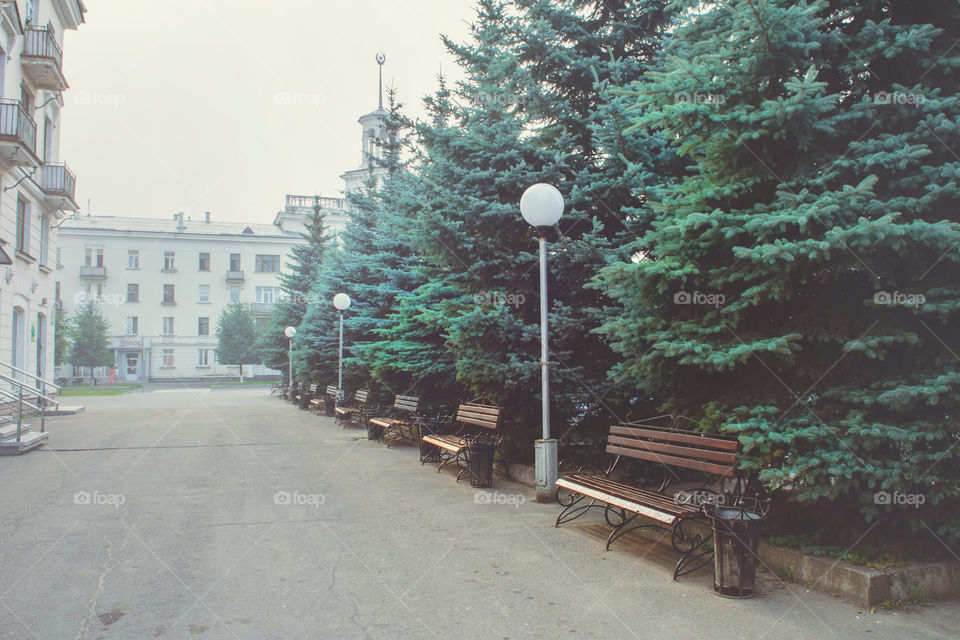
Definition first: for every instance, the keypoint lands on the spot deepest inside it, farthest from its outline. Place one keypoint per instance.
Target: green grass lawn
(93, 391)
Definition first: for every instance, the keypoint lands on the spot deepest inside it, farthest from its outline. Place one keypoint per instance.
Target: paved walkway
(234, 515)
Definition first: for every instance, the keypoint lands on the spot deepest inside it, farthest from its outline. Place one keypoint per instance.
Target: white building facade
(163, 285)
(38, 188)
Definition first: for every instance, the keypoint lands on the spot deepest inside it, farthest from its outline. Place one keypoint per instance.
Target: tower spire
(380, 60)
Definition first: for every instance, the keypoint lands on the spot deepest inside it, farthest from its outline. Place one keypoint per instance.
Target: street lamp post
(290, 332)
(342, 302)
(542, 206)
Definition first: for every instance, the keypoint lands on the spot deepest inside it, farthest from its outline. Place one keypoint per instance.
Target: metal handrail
(15, 396)
(17, 123)
(33, 391)
(41, 42)
(30, 375)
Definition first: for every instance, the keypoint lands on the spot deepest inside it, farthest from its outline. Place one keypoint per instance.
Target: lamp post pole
(290, 332)
(544, 350)
(340, 362)
(341, 303)
(542, 206)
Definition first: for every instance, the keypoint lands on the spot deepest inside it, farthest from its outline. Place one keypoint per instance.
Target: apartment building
(37, 189)
(163, 284)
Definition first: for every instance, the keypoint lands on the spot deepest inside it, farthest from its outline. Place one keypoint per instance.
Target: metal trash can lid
(743, 509)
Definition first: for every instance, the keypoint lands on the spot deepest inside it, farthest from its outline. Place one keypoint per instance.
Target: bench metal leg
(696, 557)
(463, 461)
(446, 459)
(574, 510)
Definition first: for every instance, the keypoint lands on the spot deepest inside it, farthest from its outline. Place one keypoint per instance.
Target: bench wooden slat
(708, 467)
(630, 492)
(361, 396)
(481, 408)
(486, 424)
(628, 505)
(450, 443)
(470, 413)
(677, 436)
(685, 452)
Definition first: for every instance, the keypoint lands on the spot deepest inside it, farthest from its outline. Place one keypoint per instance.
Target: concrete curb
(864, 586)
(67, 411)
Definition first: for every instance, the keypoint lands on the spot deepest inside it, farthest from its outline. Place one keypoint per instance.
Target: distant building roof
(156, 225)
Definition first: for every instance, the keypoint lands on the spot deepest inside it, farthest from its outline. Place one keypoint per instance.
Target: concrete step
(66, 410)
(28, 441)
(9, 431)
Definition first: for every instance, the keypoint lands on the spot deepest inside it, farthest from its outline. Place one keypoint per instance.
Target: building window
(234, 294)
(168, 264)
(168, 357)
(44, 239)
(133, 292)
(260, 324)
(23, 224)
(204, 264)
(267, 264)
(133, 259)
(168, 325)
(234, 262)
(93, 292)
(204, 293)
(268, 294)
(133, 325)
(203, 359)
(93, 257)
(168, 297)
(203, 326)
(59, 250)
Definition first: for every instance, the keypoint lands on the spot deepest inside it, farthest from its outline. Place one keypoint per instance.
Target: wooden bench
(476, 422)
(355, 409)
(402, 423)
(317, 402)
(672, 448)
(304, 395)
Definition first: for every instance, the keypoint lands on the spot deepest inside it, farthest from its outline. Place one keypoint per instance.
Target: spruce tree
(91, 341)
(237, 336)
(529, 110)
(798, 288)
(295, 285)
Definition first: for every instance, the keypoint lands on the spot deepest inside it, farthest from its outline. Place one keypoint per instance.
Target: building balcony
(59, 186)
(42, 59)
(18, 135)
(234, 276)
(93, 273)
(262, 308)
(303, 203)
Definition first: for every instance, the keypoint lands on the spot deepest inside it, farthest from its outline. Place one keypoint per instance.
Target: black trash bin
(736, 532)
(481, 464)
(329, 404)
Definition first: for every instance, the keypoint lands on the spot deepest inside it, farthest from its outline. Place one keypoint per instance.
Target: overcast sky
(228, 105)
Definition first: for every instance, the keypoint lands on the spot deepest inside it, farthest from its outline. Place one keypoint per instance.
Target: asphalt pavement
(189, 513)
